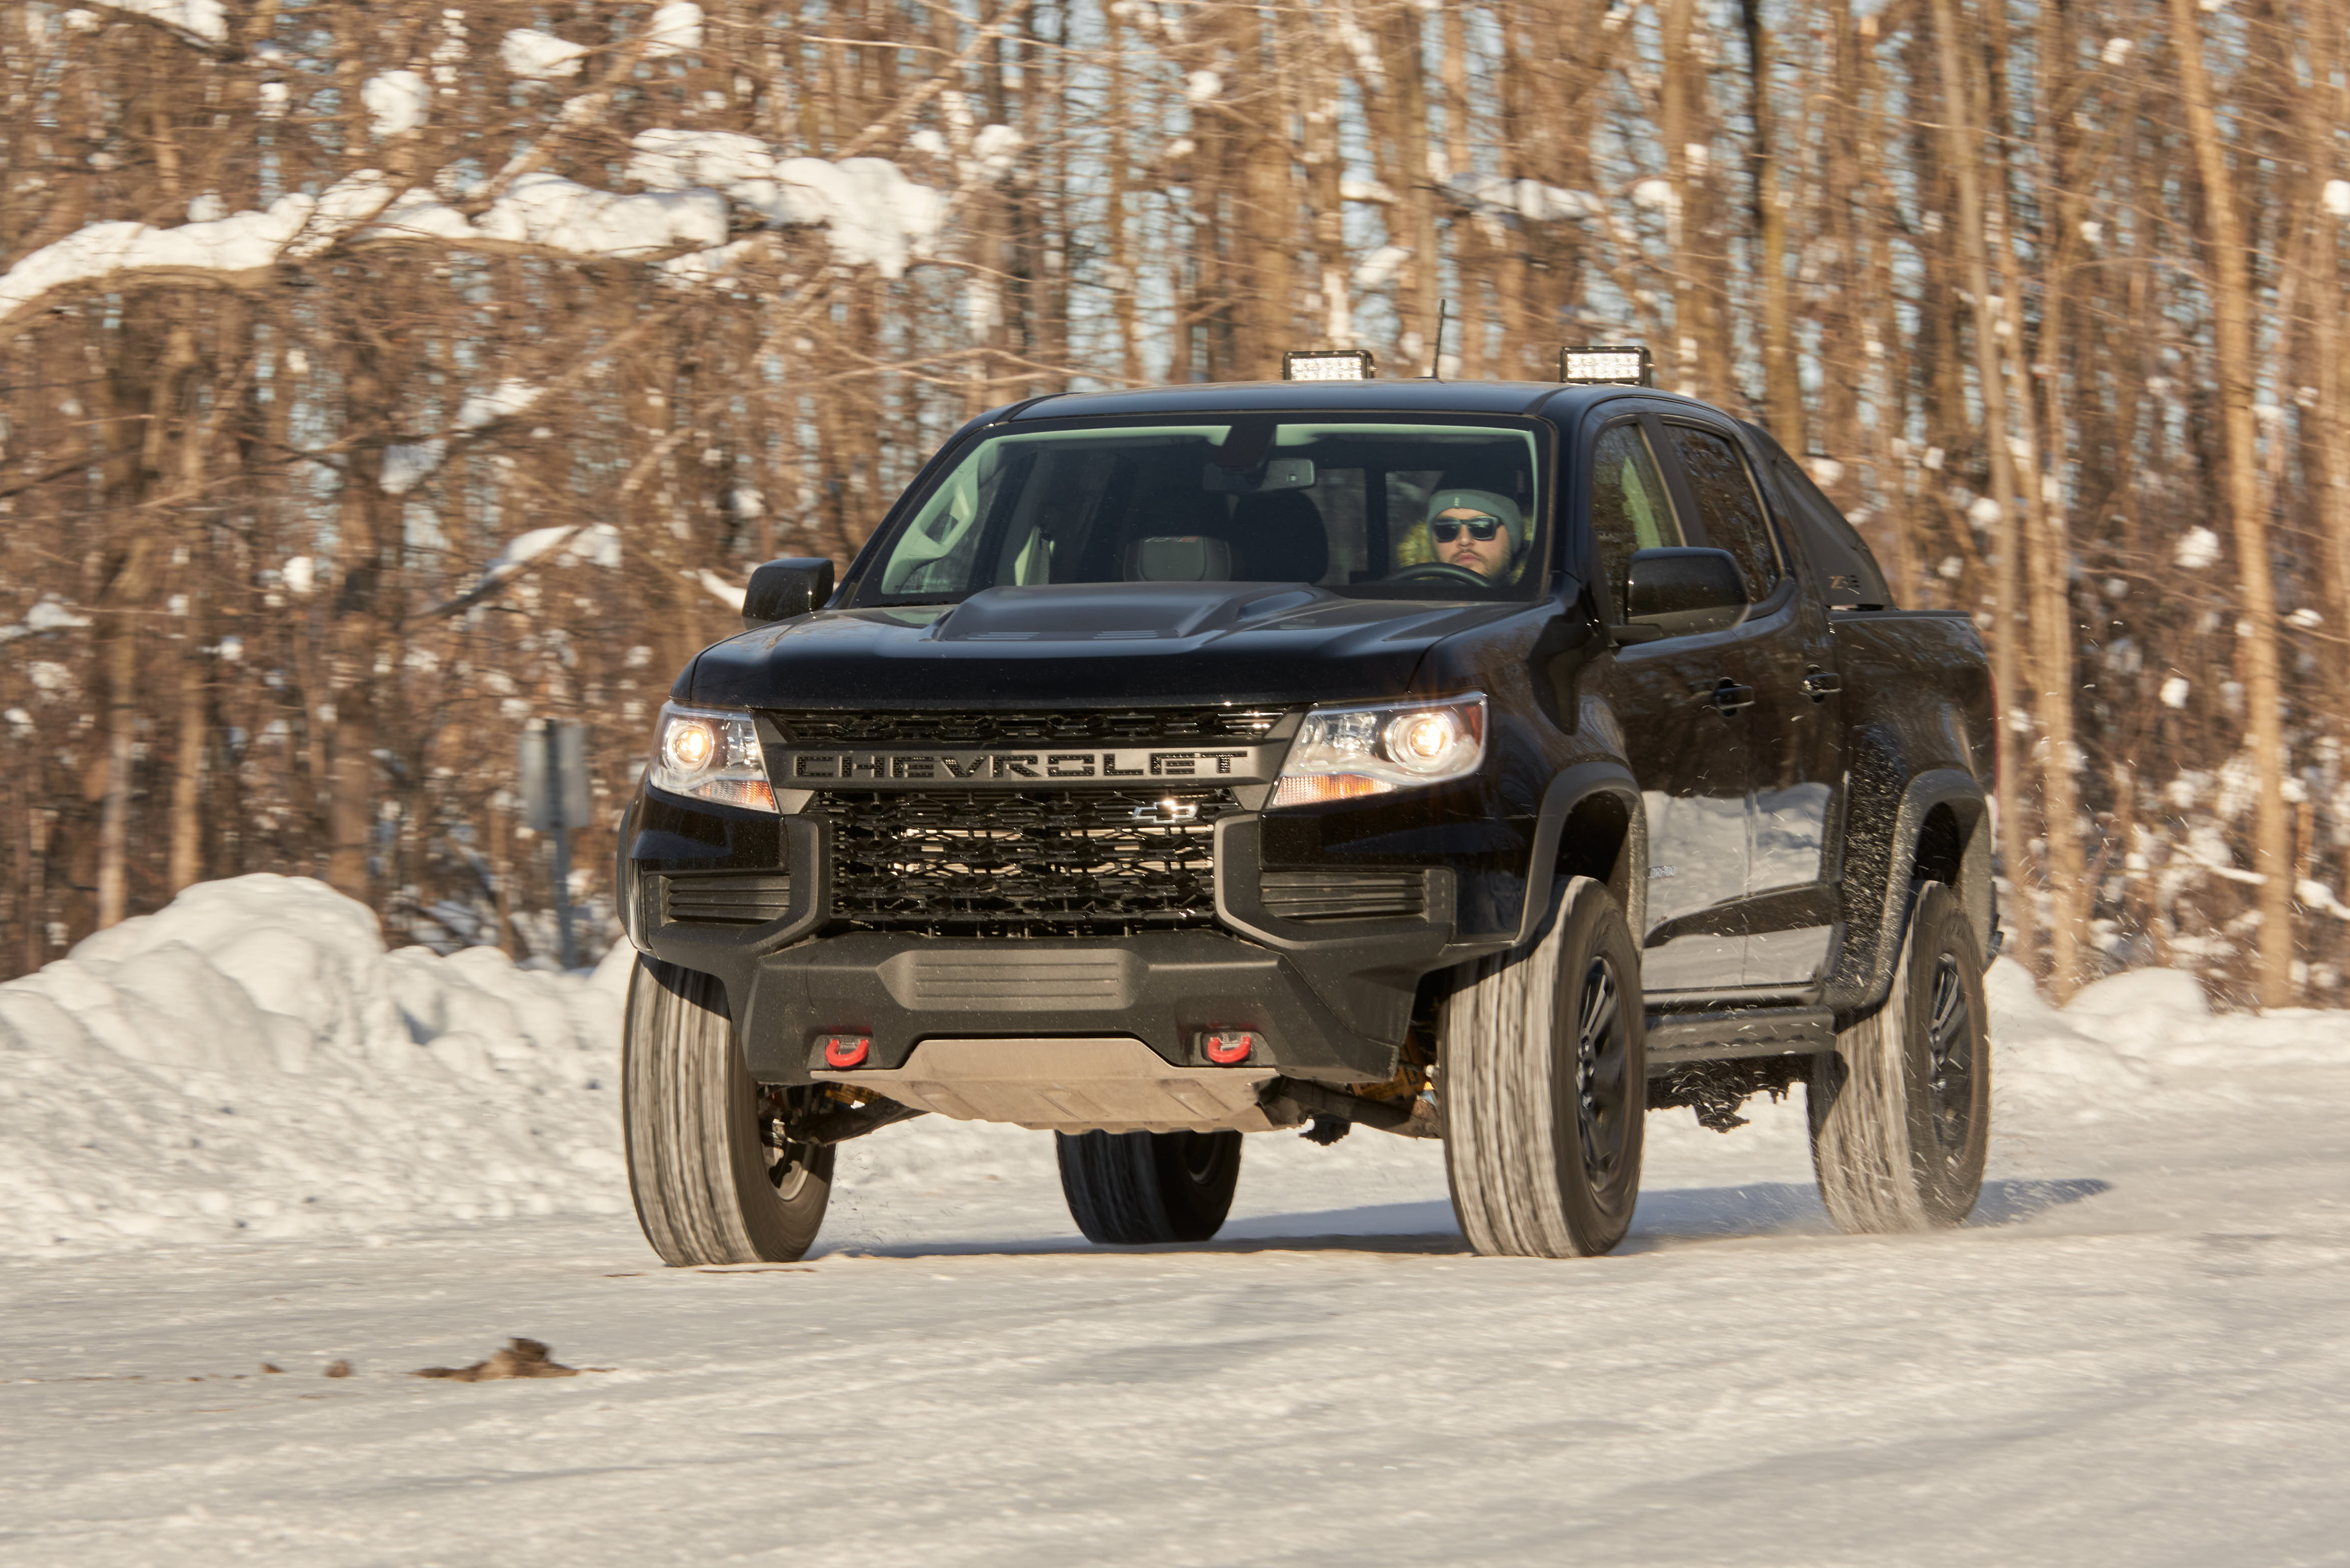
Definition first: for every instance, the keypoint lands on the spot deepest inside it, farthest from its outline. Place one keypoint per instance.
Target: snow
(2199, 547)
(503, 401)
(251, 1060)
(1529, 200)
(872, 215)
(719, 588)
(696, 268)
(870, 212)
(993, 150)
(2336, 198)
(1377, 268)
(396, 101)
(539, 56)
(597, 545)
(240, 1131)
(239, 243)
(2133, 1353)
(205, 19)
(537, 208)
(676, 28)
(523, 548)
(47, 614)
(548, 210)
(408, 464)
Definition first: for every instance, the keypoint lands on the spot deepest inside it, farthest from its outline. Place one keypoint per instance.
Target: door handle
(1822, 684)
(1729, 697)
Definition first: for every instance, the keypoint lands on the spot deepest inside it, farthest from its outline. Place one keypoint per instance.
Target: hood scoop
(1118, 612)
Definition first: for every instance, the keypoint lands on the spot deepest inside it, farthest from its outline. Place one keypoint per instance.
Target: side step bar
(1676, 1039)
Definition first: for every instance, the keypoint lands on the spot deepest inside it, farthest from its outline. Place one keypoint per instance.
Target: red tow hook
(1228, 1047)
(846, 1049)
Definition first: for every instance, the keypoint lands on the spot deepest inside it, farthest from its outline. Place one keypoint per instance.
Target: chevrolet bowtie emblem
(1166, 811)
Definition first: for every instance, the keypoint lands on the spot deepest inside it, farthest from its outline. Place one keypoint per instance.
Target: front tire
(1900, 1111)
(1542, 1075)
(1137, 1188)
(712, 1181)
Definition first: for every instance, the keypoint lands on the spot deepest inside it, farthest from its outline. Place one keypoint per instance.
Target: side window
(1630, 507)
(1729, 507)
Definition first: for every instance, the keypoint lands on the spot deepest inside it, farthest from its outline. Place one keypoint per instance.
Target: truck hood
(1089, 642)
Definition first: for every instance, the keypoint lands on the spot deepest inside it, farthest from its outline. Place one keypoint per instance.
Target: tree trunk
(2234, 368)
(1964, 153)
(1782, 394)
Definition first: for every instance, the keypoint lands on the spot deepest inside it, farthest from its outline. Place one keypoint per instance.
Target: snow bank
(2139, 1037)
(252, 1060)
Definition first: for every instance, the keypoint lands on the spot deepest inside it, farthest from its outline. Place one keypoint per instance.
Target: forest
(376, 380)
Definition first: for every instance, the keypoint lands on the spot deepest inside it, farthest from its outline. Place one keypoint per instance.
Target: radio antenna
(1436, 360)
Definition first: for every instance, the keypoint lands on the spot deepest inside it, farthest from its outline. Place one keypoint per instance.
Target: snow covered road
(2138, 1354)
(238, 1133)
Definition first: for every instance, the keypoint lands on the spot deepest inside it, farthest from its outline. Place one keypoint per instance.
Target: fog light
(846, 1049)
(1228, 1047)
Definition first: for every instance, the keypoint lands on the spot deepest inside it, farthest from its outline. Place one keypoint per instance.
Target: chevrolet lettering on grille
(862, 768)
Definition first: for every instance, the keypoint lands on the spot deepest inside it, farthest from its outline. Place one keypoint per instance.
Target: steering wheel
(1440, 572)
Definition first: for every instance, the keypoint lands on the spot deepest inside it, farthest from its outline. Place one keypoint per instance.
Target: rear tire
(1136, 1188)
(1900, 1111)
(1543, 1080)
(709, 1185)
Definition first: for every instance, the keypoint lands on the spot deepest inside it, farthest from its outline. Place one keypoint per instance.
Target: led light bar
(1329, 365)
(1602, 367)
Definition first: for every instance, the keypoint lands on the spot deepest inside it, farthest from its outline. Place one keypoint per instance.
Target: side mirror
(1681, 591)
(782, 590)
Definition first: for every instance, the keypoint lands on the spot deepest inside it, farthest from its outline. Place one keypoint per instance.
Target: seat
(1278, 537)
(1178, 558)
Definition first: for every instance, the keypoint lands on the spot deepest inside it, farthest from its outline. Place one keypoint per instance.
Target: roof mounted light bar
(1593, 366)
(1329, 364)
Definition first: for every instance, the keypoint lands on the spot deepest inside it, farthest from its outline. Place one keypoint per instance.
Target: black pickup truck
(1494, 762)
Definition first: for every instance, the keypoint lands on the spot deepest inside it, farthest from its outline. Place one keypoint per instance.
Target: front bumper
(1163, 988)
(1332, 998)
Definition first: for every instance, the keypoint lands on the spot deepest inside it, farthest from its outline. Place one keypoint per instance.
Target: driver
(1475, 530)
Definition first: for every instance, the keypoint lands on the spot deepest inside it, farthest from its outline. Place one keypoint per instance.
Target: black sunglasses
(1482, 530)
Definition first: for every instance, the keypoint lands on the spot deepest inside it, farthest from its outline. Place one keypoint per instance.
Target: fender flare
(1864, 971)
(1568, 791)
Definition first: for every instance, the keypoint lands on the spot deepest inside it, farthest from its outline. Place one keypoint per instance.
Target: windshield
(1421, 509)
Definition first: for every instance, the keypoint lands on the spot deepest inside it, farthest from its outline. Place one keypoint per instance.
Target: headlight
(1373, 748)
(710, 755)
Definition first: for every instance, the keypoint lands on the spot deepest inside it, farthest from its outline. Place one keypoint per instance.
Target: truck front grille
(1095, 862)
(1107, 727)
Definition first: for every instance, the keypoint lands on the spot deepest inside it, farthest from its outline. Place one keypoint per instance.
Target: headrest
(1280, 538)
(1178, 558)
